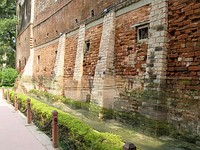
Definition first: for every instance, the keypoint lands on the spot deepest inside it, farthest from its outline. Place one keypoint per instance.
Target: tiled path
(15, 134)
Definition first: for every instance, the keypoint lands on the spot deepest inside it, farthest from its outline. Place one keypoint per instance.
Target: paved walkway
(15, 134)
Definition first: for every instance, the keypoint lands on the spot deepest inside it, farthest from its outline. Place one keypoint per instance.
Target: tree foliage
(8, 76)
(7, 32)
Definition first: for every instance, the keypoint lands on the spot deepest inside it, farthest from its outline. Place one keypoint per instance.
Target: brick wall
(47, 54)
(104, 83)
(54, 13)
(183, 67)
(78, 68)
(46, 8)
(23, 48)
(70, 55)
(157, 44)
(93, 35)
(184, 33)
(130, 55)
(117, 62)
(24, 12)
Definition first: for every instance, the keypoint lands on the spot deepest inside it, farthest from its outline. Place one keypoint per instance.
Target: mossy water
(128, 133)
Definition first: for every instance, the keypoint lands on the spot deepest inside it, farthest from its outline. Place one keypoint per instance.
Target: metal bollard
(29, 116)
(55, 135)
(2, 93)
(8, 95)
(15, 102)
(129, 146)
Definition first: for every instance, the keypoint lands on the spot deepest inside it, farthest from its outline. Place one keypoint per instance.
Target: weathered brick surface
(184, 34)
(116, 62)
(183, 104)
(58, 70)
(90, 58)
(153, 107)
(47, 54)
(70, 86)
(70, 55)
(130, 56)
(24, 11)
(157, 43)
(52, 13)
(60, 54)
(23, 48)
(48, 69)
(81, 9)
(28, 70)
(78, 68)
(183, 63)
(104, 71)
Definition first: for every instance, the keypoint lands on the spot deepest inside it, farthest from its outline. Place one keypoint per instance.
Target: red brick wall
(23, 48)
(45, 9)
(130, 55)
(57, 23)
(184, 35)
(90, 58)
(47, 60)
(183, 70)
(70, 55)
(96, 5)
(61, 20)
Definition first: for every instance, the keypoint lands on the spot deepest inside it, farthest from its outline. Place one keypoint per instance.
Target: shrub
(8, 77)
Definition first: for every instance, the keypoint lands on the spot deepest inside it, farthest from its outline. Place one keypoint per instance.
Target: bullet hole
(87, 46)
(92, 13)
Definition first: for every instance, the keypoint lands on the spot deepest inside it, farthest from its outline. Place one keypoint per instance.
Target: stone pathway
(16, 134)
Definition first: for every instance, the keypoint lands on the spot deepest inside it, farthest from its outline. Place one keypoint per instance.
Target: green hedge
(71, 129)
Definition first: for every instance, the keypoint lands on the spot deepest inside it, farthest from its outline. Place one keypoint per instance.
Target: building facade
(101, 50)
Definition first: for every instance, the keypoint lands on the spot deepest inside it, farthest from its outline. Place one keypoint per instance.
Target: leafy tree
(7, 32)
(8, 76)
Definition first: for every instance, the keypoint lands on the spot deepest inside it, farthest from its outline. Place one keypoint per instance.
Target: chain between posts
(19, 107)
(33, 116)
